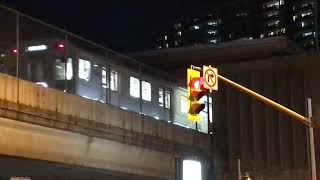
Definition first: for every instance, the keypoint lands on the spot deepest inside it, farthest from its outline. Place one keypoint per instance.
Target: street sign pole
(311, 142)
(239, 169)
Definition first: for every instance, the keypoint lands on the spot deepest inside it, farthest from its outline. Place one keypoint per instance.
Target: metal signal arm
(267, 101)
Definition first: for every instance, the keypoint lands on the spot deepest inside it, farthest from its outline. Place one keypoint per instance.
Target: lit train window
(146, 91)
(84, 69)
(114, 80)
(104, 78)
(160, 97)
(61, 72)
(210, 107)
(134, 87)
(183, 104)
(167, 99)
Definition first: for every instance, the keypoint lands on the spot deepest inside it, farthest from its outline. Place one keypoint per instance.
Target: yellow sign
(190, 75)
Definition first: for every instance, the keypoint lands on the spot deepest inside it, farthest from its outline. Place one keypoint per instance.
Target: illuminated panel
(37, 48)
(191, 170)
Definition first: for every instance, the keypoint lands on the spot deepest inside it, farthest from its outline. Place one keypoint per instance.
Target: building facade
(246, 19)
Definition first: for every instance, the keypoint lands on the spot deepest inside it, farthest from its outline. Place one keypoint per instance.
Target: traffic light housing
(195, 92)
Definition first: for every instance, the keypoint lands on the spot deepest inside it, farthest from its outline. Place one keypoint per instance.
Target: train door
(63, 73)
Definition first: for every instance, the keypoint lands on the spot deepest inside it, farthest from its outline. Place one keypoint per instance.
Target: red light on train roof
(60, 46)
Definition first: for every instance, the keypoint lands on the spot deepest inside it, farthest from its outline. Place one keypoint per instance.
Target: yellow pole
(267, 101)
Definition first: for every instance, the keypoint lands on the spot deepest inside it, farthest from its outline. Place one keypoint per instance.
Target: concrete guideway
(20, 139)
(48, 125)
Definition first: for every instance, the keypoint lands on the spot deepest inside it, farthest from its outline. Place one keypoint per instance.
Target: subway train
(90, 73)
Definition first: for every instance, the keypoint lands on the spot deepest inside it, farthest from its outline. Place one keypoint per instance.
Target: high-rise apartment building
(248, 19)
(293, 18)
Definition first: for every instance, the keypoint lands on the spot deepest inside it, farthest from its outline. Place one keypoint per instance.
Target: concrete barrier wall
(19, 139)
(57, 102)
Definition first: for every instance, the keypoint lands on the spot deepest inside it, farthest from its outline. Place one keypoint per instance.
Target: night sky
(122, 25)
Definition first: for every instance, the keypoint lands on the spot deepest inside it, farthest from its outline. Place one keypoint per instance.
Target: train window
(167, 99)
(84, 69)
(146, 91)
(160, 97)
(104, 78)
(183, 104)
(210, 107)
(61, 72)
(114, 80)
(134, 87)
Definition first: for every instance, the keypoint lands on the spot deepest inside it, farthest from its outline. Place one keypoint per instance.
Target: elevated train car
(69, 67)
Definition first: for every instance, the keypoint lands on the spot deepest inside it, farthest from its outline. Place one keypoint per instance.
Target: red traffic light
(197, 91)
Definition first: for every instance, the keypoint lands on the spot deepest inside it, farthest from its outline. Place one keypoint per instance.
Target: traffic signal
(195, 92)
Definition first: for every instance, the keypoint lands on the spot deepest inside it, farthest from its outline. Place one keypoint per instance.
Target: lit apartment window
(167, 99)
(176, 26)
(146, 91)
(134, 87)
(272, 14)
(183, 105)
(270, 33)
(62, 72)
(281, 2)
(213, 41)
(160, 97)
(104, 78)
(272, 4)
(274, 23)
(196, 27)
(294, 18)
(84, 69)
(306, 14)
(212, 23)
(114, 80)
(212, 32)
(304, 5)
(307, 34)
